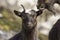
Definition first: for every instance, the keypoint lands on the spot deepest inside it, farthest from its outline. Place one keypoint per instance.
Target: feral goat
(47, 5)
(54, 33)
(29, 23)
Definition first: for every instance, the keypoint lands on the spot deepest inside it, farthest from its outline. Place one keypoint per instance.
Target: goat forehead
(30, 12)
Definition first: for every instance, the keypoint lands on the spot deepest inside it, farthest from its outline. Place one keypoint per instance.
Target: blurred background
(10, 24)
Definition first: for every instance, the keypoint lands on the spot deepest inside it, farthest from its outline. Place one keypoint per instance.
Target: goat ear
(39, 12)
(17, 13)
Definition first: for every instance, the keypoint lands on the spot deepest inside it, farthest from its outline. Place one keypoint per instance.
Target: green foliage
(9, 21)
(43, 37)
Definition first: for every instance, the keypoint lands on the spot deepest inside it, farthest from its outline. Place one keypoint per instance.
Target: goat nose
(29, 22)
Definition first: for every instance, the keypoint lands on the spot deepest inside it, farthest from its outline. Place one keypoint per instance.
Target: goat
(47, 5)
(54, 33)
(29, 29)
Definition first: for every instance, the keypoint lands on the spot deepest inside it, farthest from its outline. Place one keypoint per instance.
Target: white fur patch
(28, 12)
(57, 7)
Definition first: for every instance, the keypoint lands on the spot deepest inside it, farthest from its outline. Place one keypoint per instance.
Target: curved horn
(23, 7)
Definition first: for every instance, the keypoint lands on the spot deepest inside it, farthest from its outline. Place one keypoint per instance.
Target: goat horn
(23, 7)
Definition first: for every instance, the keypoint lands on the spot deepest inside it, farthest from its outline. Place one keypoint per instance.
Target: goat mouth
(30, 26)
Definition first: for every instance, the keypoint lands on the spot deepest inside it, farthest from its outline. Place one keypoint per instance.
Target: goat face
(43, 4)
(29, 20)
